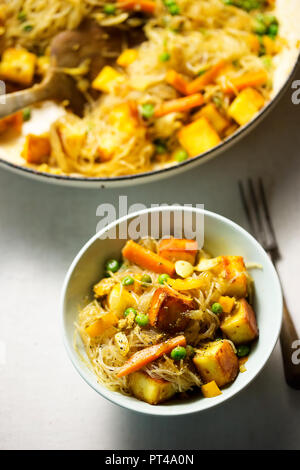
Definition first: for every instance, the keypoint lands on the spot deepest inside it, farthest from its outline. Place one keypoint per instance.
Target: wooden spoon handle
(20, 99)
(289, 341)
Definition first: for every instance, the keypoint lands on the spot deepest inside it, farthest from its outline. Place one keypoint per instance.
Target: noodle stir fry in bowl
(201, 70)
(167, 324)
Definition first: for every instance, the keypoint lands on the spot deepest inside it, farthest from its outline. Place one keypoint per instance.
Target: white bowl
(222, 236)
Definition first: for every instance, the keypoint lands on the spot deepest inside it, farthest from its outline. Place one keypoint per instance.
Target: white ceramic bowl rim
(141, 407)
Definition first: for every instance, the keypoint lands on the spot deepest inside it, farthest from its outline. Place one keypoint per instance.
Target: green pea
(216, 308)
(129, 310)
(259, 27)
(22, 16)
(147, 110)
(273, 30)
(164, 57)
(112, 265)
(160, 146)
(181, 155)
(174, 9)
(26, 114)
(127, 281)
(242, 350)
(27, 28)
(146, 279)
(142, 319)
(109, 9)
(169, 2)
(267, 61)
(190, 351)
(178, 353)
(162, 278)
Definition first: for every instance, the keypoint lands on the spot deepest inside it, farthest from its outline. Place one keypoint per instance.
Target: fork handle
(289, 346)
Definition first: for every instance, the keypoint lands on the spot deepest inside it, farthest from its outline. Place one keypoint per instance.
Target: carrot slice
(175, 249)
(249, 79)
(146, 6)
(179, 105)
(145, 356)
(208, 77)
(177, 81)
(147, 259)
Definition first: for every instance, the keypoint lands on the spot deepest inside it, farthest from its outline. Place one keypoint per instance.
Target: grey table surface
(44, 404)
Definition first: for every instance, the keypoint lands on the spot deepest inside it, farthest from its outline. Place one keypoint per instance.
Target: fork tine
(260, 228)
(265, 207)
(247, 209)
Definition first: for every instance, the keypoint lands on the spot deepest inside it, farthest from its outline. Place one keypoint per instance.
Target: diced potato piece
(177, 249)
(219, 122)
(227, 303)
(119, 299)
(99, 326)
(152, 391)
(217, 361)
(72, 134)
(232, 271)
(104, 286)
(18, 65)
(210, 389)
(240, 327)
(246, 105)
(107, 79)
(127, 57)
(167, 308)
(14, 121)
(198, 137)
(37, 149)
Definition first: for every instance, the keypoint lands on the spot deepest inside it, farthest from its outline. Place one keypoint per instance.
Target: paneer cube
(98, 327)
(217, 361)
(217, 120)
(14, 122)
(107, 79)
(176, 249)
(37, 149)
(210, 389)
(124, 118)
(152, 391)
(240, 326)
(232, 273)
(127, 57)
(198, 137)
(246, 105)
(167, 310)
(18, 65)
(119, 299)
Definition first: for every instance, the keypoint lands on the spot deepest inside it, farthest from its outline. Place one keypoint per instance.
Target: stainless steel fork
(258, 215)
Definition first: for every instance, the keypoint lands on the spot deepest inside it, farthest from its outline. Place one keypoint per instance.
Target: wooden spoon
(68, 50)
